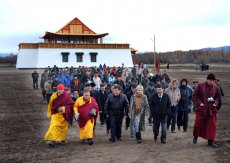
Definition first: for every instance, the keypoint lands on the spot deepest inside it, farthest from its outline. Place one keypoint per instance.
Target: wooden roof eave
(67, 34)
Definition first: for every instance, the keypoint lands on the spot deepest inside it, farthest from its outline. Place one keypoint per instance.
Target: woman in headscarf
(138, 106)
(60, 111)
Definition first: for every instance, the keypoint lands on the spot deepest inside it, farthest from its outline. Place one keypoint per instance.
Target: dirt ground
(23, 124)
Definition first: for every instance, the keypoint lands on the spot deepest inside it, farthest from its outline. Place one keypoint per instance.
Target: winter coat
(102, 99)
(117, 105)
(160, 106)
(186, 98)
(139, 118)
(201, 95)
(149, 93)
(35, 76)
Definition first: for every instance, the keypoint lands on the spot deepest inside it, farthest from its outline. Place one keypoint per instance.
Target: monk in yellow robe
(60, 110)
(86, 110)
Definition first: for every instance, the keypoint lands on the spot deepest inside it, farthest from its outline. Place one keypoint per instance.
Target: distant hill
(6, 54)
(217, 48)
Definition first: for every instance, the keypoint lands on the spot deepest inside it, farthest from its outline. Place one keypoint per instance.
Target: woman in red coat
(205, 98)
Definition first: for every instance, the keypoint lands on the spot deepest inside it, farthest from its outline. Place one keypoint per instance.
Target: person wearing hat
(67, 90)
(149, 92)
(206, 98)
(60, 112)
(48, 89)
(159, 108)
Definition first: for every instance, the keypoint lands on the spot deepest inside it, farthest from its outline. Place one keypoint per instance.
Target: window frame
(79, 54)
(65, 54)
(93, 54)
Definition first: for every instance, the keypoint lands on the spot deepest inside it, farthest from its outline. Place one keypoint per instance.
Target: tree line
(191, 56)
(12, 59)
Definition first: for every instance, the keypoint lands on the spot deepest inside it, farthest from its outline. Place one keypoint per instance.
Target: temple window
(65, 56)
(93, 57)
(79, 56)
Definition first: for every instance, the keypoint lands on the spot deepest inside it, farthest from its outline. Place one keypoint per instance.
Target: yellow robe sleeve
(78, 103)
(75, 108)
(52, 98)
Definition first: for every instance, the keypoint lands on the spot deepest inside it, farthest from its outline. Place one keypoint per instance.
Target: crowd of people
(117, 93)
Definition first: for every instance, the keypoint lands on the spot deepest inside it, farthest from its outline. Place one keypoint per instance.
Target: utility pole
(154, 53)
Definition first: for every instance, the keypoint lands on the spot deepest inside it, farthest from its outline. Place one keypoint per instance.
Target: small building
(73, 45)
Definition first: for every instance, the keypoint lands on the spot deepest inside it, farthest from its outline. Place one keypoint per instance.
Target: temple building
(73, 45)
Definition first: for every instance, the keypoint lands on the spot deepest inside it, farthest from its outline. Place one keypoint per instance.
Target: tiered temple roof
(74, 32)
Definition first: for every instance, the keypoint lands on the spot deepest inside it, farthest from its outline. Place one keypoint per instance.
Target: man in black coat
(149, 92)
(35, 77)
(159, 109)
(55, 84)
(116, 106)
(102, 96)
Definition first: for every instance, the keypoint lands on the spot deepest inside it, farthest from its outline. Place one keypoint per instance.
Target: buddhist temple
(73, 45)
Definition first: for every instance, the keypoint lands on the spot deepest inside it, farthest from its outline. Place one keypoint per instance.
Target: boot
(136, 136)
(178, 128)
(212, 144)
(90, 141)
(51, 144)
(195, 139)
(139, 135)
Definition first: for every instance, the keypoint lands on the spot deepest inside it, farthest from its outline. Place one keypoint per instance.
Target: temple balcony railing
(73, 46)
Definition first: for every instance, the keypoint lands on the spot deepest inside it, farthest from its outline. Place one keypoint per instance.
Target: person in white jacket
(97, 81)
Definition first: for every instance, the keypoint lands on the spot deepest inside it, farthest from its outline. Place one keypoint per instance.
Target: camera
(210, 100)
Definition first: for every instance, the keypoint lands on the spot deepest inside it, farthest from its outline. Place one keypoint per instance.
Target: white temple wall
(27, 58)
(43, 57)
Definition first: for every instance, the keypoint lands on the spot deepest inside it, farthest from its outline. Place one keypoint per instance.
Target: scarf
(138, 100)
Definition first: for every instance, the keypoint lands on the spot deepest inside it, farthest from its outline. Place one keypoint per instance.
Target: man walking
(159, 108)
(116, 106)
(48, 89)
(35, 77)
(102, 96)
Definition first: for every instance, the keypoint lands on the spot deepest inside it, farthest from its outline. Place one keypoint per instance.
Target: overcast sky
(177, 24)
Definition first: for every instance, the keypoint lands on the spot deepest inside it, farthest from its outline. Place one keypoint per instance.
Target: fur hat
(211, 76)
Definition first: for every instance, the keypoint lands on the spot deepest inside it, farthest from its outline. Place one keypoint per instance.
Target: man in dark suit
(102, 96)
(159, 109)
